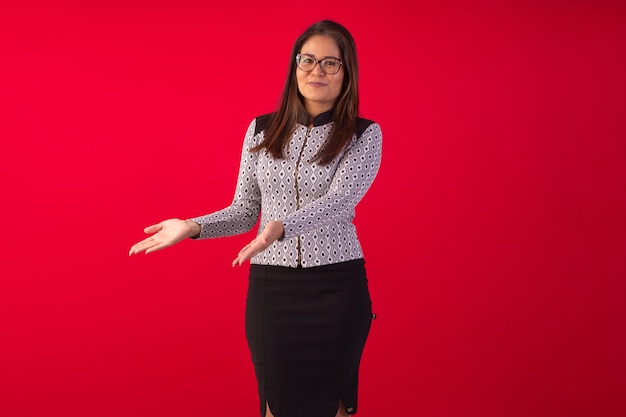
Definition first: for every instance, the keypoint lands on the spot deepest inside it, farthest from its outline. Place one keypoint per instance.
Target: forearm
(354, 175)
(243, 212)
(231, 221)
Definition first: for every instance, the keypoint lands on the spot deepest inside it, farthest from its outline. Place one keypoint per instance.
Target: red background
(495, 234)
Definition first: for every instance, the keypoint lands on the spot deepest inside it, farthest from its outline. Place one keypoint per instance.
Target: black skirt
(306, 328)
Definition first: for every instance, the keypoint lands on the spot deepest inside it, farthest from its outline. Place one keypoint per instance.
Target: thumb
(153, 229)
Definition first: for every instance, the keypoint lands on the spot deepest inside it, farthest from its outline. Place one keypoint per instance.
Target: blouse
(316, 203)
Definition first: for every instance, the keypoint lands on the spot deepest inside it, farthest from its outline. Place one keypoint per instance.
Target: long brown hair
(291, 111)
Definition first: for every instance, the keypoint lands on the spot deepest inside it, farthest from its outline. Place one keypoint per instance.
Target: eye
(331, 63)
(307, 60)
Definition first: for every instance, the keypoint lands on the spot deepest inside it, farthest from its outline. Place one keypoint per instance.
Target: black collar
(323, 118)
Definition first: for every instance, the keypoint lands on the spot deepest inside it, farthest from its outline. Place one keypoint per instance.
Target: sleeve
(355, 173)
(243, 213)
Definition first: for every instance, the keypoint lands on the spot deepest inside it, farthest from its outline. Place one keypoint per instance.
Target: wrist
(277, 230)
(194, 229)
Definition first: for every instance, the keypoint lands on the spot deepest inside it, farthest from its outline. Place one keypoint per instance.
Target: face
(320, 90)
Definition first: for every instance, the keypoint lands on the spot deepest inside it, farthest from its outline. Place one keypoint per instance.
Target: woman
(303, 169)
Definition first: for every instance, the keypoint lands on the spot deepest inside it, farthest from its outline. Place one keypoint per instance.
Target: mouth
(317, 85)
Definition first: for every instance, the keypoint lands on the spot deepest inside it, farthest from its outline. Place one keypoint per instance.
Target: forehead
(320, 46)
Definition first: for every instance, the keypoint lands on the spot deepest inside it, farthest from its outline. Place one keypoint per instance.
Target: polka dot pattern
(315, 202)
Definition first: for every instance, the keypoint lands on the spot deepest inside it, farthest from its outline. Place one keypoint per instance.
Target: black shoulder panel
(362, 125)
(261, 123)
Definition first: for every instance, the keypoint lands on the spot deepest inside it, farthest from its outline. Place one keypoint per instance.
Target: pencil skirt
(306, 329)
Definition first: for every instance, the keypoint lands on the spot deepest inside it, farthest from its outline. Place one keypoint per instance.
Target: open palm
(164, 234)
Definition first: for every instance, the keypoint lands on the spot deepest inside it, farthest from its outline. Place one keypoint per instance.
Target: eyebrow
(324, 57)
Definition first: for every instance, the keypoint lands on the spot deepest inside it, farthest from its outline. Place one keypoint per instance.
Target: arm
(237, 218)
(243, 213)
(355, 174)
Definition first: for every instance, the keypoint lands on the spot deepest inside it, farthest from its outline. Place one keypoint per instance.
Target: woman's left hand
(273, 231)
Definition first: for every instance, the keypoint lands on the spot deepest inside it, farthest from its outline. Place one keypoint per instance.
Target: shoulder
(261, 122)
(362, 125)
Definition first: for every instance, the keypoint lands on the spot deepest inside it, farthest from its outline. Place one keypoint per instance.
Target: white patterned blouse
(314, 202)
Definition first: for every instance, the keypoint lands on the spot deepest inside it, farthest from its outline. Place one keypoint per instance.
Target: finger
(143, 245)
(259, 244)
(245, 255)
(241, 259)
(136, 248)
(153, 228)
(245, 248)
(156, 247)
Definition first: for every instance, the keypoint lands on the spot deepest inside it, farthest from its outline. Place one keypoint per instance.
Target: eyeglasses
(328, 65)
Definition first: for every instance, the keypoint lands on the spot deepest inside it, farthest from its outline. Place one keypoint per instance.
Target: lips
(317, 85)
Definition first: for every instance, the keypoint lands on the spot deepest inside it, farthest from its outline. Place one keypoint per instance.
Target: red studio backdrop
(495, 234)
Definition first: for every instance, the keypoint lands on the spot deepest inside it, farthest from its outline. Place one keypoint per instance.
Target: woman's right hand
(165, 234)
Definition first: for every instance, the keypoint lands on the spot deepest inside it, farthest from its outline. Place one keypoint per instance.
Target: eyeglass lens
(328, 65)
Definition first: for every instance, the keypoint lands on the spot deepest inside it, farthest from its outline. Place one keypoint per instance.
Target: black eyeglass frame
(320, 62)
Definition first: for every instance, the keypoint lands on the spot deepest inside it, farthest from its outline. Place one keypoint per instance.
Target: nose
(317, 69)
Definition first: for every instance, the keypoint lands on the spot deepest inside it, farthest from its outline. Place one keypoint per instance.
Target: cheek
(338, 84)
(300, 79)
